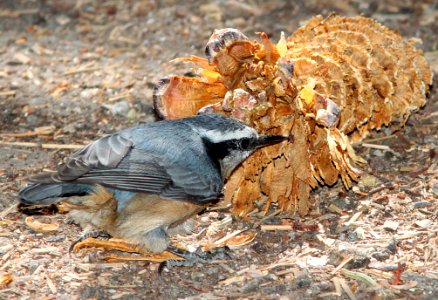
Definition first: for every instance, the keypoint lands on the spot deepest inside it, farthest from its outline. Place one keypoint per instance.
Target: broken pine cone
(328, 84)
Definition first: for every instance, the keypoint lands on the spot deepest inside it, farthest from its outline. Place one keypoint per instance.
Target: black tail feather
(41, 193)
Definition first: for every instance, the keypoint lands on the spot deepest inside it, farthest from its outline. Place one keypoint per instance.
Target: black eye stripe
(245, 143)
(222, 149)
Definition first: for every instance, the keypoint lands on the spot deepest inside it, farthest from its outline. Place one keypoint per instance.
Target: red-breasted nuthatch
(144, 183)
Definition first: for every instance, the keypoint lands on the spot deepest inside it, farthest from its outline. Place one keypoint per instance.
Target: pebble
(120, 108)
(210, 8)
(381, 255)
(369, 181)
(250, 287)
(197, 276)
(55, 238)
(88, 93)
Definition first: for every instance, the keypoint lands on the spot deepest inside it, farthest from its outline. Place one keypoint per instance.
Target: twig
(375, 146)
(409, 235)
(347, 289)
(51, 285)
(276, 212)
(7, 93)
(119, 97)
(45, 130)
(353, 218)
(284, 272)
(82, 70)
(227, 268)
(17, 13)
(44, 146)
(338, 287)
(341, 265)
(275, 227)
(383, 138)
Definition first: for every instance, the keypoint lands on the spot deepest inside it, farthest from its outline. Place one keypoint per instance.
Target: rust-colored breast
(328, 84)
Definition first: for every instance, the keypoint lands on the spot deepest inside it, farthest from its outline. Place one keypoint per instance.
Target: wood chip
(275, 227)
(391, 225)
(40, 227)
(45, 250)
(51, 285)
(6, 279)
(43, 146)
(426, 223)
(374, 146)
(21, 58)
(347, 289)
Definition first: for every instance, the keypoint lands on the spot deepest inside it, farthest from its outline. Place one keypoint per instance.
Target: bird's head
(230, 142)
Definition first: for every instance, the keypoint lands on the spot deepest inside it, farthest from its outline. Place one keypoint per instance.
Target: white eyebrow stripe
(217, 136)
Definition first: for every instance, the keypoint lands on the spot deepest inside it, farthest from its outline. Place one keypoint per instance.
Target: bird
(145, 183)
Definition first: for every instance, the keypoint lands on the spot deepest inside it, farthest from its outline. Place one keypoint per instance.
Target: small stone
(360, 233)
(251, 286)
(63, 20)
(55, 238)
(142, 8)
(391, 225)
(210, 8)
(369, 181)
(89, 93)
(120, 108)
(381, 256)
(132, 114)
(303, 279)
(359, 261)
(197, 276)
(20, 58)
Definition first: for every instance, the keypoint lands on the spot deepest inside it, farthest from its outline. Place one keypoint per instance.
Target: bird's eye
(244, 144)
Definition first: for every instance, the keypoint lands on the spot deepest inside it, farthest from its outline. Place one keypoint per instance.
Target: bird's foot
(192, 258)
(120, 245)
(90, 234)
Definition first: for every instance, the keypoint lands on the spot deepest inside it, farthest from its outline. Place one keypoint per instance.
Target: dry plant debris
(327, 85)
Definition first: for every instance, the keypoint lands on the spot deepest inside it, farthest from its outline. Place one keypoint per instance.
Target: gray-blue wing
(106, 152)
(113, 161)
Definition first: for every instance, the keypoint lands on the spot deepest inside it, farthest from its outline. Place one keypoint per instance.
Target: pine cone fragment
(328, 84)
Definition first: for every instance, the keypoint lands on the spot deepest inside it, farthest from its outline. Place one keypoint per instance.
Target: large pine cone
(328, 84)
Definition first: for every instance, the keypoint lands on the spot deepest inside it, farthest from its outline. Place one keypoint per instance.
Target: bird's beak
(266, 140)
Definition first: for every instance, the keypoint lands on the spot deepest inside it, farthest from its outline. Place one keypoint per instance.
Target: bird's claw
(90, 234)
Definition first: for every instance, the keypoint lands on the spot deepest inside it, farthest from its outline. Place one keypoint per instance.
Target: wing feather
(136, 160)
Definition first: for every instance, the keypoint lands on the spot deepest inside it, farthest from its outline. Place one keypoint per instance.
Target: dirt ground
(71, 71)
